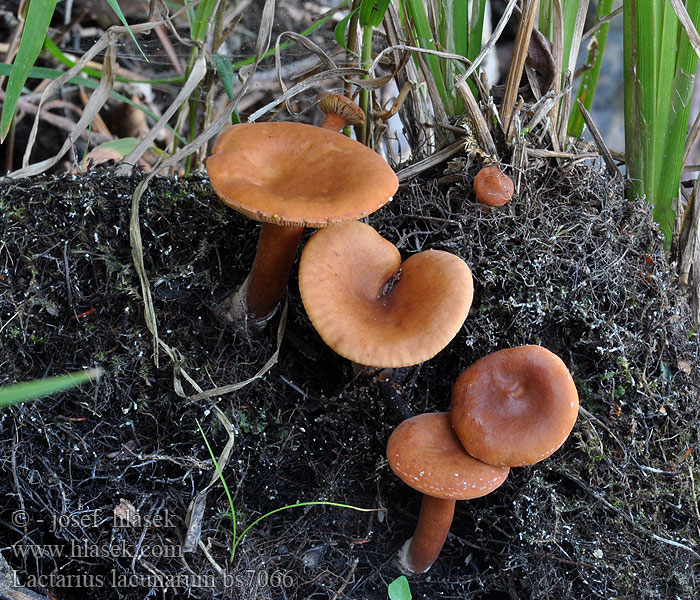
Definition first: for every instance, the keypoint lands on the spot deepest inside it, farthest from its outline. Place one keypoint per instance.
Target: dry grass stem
(687, 23)
(693, 134)
(522, 43)
(195, 510)
(565, 107)
(600, 22)
(435, 159)
(539, 153)
(600, 143)
(477, 119)
(199, 70)
(396, 105)
(343, 73)
(321, 57)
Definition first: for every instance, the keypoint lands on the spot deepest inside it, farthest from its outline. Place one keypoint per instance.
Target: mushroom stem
(334, 122)
(262, 290)
(419, 553)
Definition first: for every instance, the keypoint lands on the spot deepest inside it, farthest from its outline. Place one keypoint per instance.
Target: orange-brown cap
(297, 174)
(493, 187)
(514, 407)
(427, 455)
(374, 310)
(341, 106)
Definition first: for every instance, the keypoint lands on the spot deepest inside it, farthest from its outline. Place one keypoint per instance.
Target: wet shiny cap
(297, 174)
(493, 187)
(427, 455)
(514, 407)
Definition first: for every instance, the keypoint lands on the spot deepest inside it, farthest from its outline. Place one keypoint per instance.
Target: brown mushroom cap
(341, 106)
(514, 407)
(427, 455)
(493, 187)
(374, 310)
(297, 174)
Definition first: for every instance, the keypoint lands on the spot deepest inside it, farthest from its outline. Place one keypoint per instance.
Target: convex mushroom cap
(298, 174)
(427, 455)
(514, 407)
(291, 175)
(493, 187)
(373, 309)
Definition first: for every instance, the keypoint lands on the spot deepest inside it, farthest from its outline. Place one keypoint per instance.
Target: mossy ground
(568, 264)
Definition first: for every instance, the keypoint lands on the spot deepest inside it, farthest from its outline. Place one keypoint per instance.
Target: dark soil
(568, 264)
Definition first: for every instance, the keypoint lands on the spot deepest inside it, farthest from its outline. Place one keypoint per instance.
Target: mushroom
(514, 407)
(373, 309)
(427, 455)
(493, 187)
(340, 111)
(291, 175)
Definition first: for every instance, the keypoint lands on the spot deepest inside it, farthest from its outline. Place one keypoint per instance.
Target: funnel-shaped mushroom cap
(427, 455)
(297, 174)
(514, 407)
(374, 310)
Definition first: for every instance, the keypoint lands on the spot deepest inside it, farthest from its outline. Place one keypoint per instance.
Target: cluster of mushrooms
(511, 408)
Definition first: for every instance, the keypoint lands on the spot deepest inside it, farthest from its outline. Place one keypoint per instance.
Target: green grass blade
(21, 392)
(648, 18)
(365, 61)
(341, 30)
(372, 12)
(641, 50)
(589, 79)
(224, 68)
(117, 9)
(43, 73)
(223, 482)
(51, 47)
(366, 7)
(475, 37)
(441, 23)
(46, 73)
(570, 8)
(36, 24)
(297, 505)
(425, 39)
(202, 19)
(237, 538)
(679, 113)
(661, 163)
(633, 145)
(460, 27)
(659, 74)
(476, 29)
(191, 18)
(546, 20)
(121, 146)
(379, 11)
